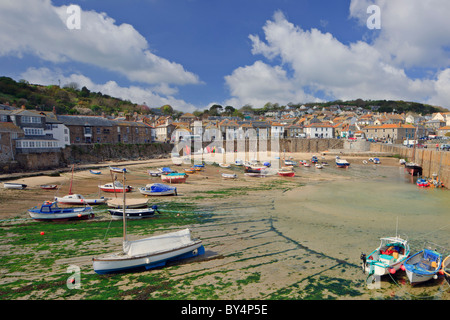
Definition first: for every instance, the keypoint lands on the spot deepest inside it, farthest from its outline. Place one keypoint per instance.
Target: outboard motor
(155, 207)
(363, 258)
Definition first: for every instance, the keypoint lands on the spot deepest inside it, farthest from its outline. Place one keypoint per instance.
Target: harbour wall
(432, 161)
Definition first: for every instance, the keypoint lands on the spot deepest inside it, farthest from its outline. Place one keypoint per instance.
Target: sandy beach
(258, 246)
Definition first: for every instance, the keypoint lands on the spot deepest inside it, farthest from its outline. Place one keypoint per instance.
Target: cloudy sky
(193, 53)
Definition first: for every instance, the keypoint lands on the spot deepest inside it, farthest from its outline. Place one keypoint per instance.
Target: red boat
(48, 186)
(286, 173)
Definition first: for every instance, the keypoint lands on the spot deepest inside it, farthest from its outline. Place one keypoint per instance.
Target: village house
(228, 129)
(9, 132)
(393, 132)
(293, 131)
(277, 130)
(91, 129)
(319, 130)
(443, 131)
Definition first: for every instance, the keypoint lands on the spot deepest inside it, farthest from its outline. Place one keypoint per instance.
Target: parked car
(445, 147)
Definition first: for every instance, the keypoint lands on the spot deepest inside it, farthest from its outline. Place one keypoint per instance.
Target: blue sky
(193, 53)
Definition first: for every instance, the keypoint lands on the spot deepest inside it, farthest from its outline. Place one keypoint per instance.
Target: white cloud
(319, 63)
(37, 27)
(135, 94)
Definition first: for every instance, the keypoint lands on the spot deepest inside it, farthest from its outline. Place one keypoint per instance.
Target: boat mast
(124, 215)
(71, 180)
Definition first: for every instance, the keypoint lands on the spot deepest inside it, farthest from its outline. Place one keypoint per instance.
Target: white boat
(239, 162)
(77, 199)
(10, 185)
(388, 257)
(154, 173)
(318, 166)
(229, 175)
(117, 170)
(115, 187)
(224, 165)
(158, 189)
(150, 252)
(423, 266)
(290, 163)
(341, 163)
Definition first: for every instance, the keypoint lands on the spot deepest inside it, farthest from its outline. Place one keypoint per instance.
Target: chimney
(54, 110)
(23, 107)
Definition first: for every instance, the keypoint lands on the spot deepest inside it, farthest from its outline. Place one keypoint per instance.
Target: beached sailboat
(77, 199)
(423, 266)
(158, 189)
(388, 257)
(49, 211)
(115, 187)
(150, 252)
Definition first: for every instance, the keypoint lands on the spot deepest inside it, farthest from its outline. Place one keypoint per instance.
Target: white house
(277, 130)
(319, 130)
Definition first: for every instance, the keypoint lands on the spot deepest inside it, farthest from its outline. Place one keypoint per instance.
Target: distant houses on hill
(33, 131)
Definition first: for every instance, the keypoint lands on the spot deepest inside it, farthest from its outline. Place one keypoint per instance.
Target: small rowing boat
(48, 186)
(10, 185)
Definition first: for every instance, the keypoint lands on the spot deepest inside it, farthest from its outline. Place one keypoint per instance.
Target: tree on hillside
(167, 109)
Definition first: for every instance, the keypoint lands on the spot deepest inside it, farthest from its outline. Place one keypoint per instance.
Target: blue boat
(314, 159)
(49, 211)
(158, 189)
(423, 266)
(95, 172)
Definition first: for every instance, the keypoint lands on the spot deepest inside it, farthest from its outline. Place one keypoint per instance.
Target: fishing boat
(341, 163)
(289, 163)
(401, 161)
(229, 175)
(286, 173)
(314, 159)
(10, 185)
(166, 170)
(224, 165)
(117, 170)
(117, 214)
(95, 172)
(189, 170)
(446, 268)
(48, 186)
(423, 266)
(77, 199)
(388, 257)
(115, 187)
(376, 160)
(154, 173)
(49, 211)
(158, 189)
(318, 166)
(421, 182)
(150, 252)
(306, 164)
(174, 177)
(239, 162)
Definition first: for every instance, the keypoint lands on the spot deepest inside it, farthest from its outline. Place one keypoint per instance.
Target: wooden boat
(158, 189)
(130, 204)
(49, 211)
(150, 252)
(115, 187)
(224, 165)
(388, 257)
(48, 186)
(133, 213)
(78, 199)
(229, 175)
(341, 163)
(446, 268)
(423, 266)
(95, 171)
(318, 166)
(11, 185)
(189, 170)
(117, 170)
(174, 177)
(285, 173)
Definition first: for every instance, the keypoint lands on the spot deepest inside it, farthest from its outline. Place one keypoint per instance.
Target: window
(98, 130)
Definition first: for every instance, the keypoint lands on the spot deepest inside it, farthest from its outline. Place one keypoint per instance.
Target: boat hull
(62, 216)
(131, 213)
(79, 201)
(173, 179)
(48, 187)
(413, 169)
(286, 174)
(418, 268)
(163, 193)
(115, 190)
(122, 263)
(19, 186)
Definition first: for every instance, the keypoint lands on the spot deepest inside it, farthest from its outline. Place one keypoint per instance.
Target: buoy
(392, 270)
(79, 215)
(403, 268)
(42, 233)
